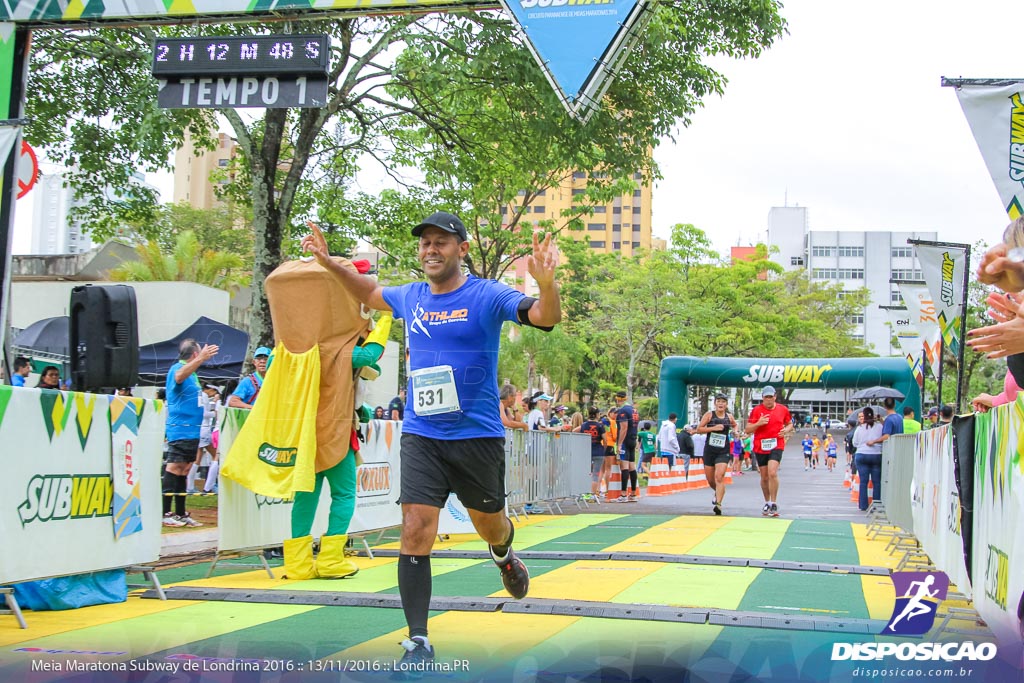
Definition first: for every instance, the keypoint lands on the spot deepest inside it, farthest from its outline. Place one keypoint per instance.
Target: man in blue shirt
(22, 369)
(184, 423)
(248, 389)
(453, 438)
(893, 422)
(396, 409)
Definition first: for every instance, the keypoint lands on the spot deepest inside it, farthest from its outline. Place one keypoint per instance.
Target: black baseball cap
(448, 222)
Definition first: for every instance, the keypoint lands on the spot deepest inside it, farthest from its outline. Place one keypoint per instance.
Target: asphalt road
(814, 494)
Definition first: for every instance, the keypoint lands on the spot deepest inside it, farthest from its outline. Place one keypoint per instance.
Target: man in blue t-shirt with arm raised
(452, 437)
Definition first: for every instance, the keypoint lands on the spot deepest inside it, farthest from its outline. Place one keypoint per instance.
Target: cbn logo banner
(918, 595)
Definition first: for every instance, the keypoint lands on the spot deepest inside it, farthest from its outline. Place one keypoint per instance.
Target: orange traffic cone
(614, 484)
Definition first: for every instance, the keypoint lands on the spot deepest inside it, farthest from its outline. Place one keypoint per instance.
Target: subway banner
(998, 541)
(935, 505)
(996, 117)
(57, 494)
(943, 267)
(248, 520)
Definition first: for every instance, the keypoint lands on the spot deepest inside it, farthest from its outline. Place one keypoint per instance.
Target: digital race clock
(237, 55)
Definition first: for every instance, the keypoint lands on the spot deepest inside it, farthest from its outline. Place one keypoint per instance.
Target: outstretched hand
(542, 262)
(315, 244)
(997, 268)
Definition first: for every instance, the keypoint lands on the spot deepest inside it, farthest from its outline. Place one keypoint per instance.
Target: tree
(188, 261)
(451, 71)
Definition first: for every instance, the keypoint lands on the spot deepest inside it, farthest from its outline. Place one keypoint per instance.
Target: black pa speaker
(104, 339)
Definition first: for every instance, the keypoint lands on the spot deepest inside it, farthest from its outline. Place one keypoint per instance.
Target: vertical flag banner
(922, 313)
(125, 415)
(909, 340)
(996, 117)
(943, 270)
(579, 45)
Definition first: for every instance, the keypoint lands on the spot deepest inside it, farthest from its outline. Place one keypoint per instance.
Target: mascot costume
(303, 430)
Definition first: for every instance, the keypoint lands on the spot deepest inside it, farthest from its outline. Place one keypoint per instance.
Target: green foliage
(648, 409)
(188, 261)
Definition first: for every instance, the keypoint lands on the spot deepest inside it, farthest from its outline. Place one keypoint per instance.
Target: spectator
(686, 449)
(946, 415)
(248, 389)
(124, 391)
(22, 369)
(1005, 339)
(50, 378)
(595, 430)
(396, 409)
(510, 416)
(183, 427)
(910, 425)
(378, 413)
(536, 420)
(576, 422)
(668, 440)
(611, 436)
(868, 442)
(982, 403)
(933, 418)
(647, 441)
(558, 423)
(209, 401)
(893, 423)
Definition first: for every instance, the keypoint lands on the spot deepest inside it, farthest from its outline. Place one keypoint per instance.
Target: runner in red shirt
(770, 423)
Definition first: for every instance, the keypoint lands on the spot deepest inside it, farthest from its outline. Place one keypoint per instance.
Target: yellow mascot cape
(304, 417)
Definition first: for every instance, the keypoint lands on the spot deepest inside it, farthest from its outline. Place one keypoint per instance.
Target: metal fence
(545, 466)
(898, 455)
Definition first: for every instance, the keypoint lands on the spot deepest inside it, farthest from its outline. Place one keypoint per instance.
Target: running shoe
(633, 499)
(775, 510)
(415, 660)
(766, 510)
(172, 520)
(187, 520)
(718, 509)
(514, 576)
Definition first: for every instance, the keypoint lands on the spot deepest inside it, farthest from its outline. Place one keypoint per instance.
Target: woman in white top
(537, 419)
(867, 441)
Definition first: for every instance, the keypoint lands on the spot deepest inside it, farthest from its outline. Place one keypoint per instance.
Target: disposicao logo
(918, 595)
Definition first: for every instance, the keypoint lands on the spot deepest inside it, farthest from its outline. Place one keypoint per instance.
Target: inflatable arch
(679, 372)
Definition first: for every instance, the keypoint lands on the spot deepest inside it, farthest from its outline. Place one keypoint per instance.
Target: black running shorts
(474, 469)
(183, 450)
(710, 460)
(763, 458)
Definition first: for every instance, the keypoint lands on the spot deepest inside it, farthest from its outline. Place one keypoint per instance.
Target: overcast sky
(845, 116)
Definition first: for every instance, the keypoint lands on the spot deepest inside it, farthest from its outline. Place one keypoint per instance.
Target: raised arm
(547, 309)
(364, 288)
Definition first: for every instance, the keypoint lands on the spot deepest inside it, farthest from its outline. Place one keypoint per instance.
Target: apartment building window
(902, 252)
(857, 337)
(823, 274)
(856, 319)
(638, 176)
(538, 209)
(597, 244)
(596, 226)
(895, 298)
(636, 210)
(637, 193)
(823, 251)
(616, 245)
(579, 175)
(600, 209)
(503, 210)
(850, 273)
(857, 252)
(906, 274)
(542, 193)
(223, 163)
(616, 209)
(521, 193)
(796, 260)
(576, 191)
(636, 245)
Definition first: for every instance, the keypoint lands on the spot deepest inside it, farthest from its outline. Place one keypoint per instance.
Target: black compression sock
(169, 480)
(632, 480)
(414, 585)
(499, 553)
(180, 483)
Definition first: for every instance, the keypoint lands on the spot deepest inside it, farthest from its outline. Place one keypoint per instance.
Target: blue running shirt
(461, 329)
(184, 412)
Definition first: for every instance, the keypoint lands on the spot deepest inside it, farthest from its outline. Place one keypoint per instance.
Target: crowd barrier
(545, 466)
(959, 489)
(81, 485)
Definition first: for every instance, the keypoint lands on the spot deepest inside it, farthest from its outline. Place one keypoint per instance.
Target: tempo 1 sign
(234, 92)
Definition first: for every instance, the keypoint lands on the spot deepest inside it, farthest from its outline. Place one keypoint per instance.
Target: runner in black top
(716, 424)
(627, 419)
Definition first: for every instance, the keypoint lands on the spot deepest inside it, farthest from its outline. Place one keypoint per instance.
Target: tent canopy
(156, 359)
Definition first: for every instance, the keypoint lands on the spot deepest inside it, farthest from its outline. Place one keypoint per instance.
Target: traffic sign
(270, 92)
(28, 169)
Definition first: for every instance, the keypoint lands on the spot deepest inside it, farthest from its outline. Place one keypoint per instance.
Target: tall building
(620, 226)
(194, 183)
(854, 259)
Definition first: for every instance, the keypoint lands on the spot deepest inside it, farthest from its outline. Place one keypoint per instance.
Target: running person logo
(918, 595)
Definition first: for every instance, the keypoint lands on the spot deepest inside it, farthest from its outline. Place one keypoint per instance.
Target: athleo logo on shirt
(435, 317)
(277, 457)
